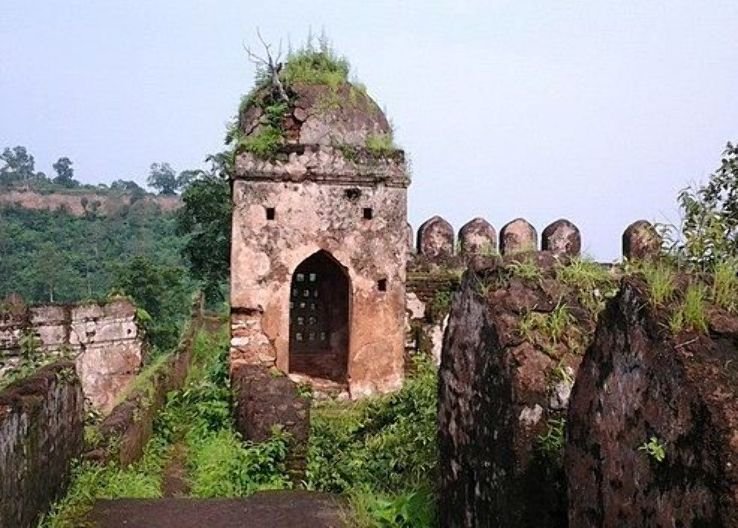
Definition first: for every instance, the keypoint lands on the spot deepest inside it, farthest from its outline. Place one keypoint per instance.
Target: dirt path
(269, 509)
(174, 480)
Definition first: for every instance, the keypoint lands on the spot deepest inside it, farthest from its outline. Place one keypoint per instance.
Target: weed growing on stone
(592, 282)
(380, 145)
(553, 326)
(551, 443)
(316, 65)
(660, 278)
(526, 270)
(691, 313)
(654, 448)
(725, 285)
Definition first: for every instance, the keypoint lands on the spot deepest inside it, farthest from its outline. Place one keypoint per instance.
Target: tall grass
(381, 451)
(660, 278)
(725, 285)
(691, 313)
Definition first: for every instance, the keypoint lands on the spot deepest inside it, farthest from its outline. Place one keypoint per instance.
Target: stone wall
(437, 247)
(124, 433)
(41, 432)
(105, 340)
(265, 399)
(505, 379)
(310, 217)
(640, 384)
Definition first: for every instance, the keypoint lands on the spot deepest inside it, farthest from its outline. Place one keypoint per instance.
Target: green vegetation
(553, 326)
(265, 143)
(219, 463)
(660, 277)
(725, 284)
(525, 269)
(55, 256)
(691, 313)
(381, 452)
(205, 222)
(710, 217)
(592, 282)
(91, 481)
(551, 443)
(316, 65)
(380, 145)
(654, 448)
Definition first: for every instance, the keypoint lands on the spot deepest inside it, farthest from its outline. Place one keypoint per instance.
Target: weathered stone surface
(436, 239)
(41, 433)
(324, 115)
(500, 390)
(478, 237)
(104, 338)
(562, 237)
(638, 382)
(129, 426)
(336, 210)
(266, 399)
(641, 241)
(518, 236)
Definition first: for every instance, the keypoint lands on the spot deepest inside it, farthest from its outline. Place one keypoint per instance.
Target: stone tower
(319, 245)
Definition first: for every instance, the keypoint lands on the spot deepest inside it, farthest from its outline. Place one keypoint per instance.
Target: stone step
(272, 509)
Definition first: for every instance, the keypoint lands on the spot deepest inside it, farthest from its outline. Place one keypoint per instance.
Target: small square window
(312, 306)
(298, 336)
(300, 321)
(271, 213)
(382, 285)
(368, 213)
(313, 277)
(302, 305)
(322, 336)
(300, 277)
(294, 292)
(311, 337)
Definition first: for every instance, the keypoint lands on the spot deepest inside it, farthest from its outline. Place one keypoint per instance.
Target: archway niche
(319, 318)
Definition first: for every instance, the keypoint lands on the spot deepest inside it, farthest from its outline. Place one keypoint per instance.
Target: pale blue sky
(598, 111)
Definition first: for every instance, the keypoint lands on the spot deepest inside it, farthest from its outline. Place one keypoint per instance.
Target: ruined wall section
(639, 386)
(318, 201)
(41, 433)
(105, 340)
(513, 345)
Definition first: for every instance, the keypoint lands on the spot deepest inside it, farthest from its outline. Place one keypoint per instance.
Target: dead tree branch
(271, 64)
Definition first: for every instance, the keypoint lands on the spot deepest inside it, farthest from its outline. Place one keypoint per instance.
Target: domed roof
(317, 114)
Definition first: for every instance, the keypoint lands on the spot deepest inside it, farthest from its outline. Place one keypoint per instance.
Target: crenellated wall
(436, 244)
(105, 340)
(438, 258)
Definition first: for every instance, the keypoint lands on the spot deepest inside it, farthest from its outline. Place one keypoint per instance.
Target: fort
(565, 392)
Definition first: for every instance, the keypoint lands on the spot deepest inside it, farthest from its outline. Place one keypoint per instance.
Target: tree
(163, 178)
(205, 219)
(19, 165)
(65, 173)
(709, 230)
(161, 291)
(51, 267)
(126, 185)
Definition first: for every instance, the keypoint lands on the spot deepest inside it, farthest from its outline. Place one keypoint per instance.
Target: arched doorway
(319, 318)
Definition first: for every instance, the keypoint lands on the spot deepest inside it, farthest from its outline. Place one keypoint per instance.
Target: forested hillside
(56, 257)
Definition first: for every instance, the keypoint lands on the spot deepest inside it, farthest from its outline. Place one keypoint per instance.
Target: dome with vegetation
(308, 100)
